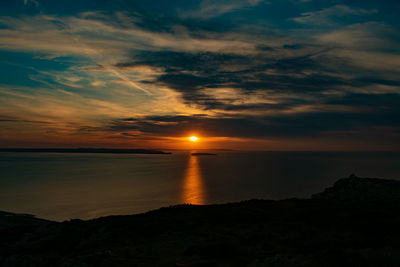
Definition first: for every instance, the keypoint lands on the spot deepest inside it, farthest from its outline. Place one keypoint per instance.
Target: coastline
(85, 150)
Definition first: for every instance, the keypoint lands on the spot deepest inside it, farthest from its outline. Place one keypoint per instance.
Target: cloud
(199, 77)
(373, 111)
(103, 37)
(35, 2)
(132, 75)
(331, 15)
(370, 47)
(369, 36)
(210, 9)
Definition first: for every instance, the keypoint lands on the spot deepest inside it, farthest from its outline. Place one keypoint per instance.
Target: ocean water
(60, 186)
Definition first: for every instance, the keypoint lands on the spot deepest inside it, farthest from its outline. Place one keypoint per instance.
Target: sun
(193, 138)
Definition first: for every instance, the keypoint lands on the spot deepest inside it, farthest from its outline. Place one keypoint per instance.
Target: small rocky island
(354, 223)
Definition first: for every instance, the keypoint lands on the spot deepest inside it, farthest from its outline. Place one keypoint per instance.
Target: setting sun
(193, 138)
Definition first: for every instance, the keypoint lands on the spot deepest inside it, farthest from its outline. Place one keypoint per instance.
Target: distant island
(354, 223)
(85, 150)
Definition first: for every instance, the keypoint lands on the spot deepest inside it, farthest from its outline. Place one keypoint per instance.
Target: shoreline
(85, 150)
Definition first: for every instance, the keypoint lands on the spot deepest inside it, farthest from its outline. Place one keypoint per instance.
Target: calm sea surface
(61, 186)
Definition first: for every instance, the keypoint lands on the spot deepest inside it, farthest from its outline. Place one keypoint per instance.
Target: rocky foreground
(354, 223)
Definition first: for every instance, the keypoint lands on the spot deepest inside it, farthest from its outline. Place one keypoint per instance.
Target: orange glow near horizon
(29, 138)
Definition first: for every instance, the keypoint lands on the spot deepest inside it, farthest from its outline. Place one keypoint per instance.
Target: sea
(64, 186)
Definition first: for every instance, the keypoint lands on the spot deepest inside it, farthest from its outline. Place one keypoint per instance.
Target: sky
(239, 74)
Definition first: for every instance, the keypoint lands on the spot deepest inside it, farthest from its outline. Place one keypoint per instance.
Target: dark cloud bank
(312, 79)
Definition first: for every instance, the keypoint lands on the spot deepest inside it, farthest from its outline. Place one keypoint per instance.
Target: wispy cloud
(35, 2)
(210, 9)
(331, 15)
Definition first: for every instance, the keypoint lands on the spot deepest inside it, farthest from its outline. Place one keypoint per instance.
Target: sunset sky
(240, 74)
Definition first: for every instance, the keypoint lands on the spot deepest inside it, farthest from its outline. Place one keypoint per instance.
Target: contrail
(90, 51)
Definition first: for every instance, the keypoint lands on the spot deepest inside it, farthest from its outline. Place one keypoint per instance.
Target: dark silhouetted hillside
(322, 231)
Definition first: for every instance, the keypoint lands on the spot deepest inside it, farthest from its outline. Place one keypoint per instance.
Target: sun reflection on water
(193, 190)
